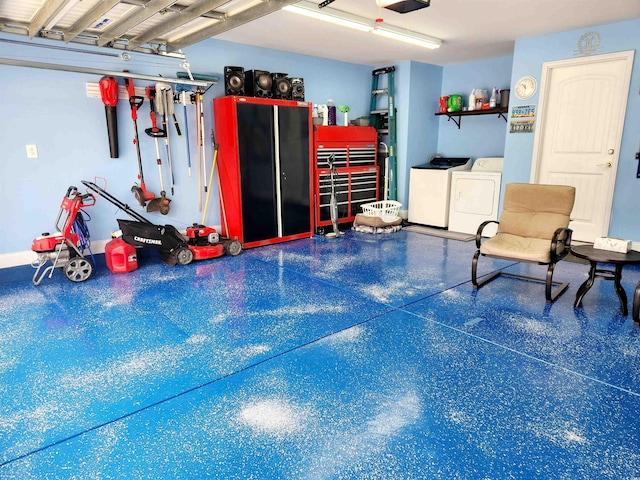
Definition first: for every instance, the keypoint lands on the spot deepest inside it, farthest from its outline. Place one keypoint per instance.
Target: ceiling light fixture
(362, 24)
(413, 38)
(328, 15)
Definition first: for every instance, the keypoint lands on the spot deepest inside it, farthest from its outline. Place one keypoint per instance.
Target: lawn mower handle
(86, 196)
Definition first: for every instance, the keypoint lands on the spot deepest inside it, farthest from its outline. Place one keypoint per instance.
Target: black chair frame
(560, 236)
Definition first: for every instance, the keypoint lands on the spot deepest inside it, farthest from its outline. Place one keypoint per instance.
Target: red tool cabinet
(265, 169)
(357, 172)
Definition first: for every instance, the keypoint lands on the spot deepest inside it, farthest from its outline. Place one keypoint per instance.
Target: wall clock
(526, 87)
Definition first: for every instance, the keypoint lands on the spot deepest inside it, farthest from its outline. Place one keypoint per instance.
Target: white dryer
(475, 196)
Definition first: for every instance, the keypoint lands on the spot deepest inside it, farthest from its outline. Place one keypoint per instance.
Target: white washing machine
(475, 196)
(429, 186)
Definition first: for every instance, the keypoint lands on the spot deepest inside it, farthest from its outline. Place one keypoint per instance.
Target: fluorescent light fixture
(331, 16)
(362, 24)
(412, 38)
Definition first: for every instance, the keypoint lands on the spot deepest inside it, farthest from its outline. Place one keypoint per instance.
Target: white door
(581, 117)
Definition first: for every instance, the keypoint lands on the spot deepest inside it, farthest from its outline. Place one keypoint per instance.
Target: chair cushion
(535, 210)
(518, 248)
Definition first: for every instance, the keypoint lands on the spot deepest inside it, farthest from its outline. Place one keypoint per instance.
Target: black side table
(596, 256)
(636, 304)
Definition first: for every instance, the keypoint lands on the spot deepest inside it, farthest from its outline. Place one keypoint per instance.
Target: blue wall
(417, 91)
(529, 55)
(478, 136)
(51, 109)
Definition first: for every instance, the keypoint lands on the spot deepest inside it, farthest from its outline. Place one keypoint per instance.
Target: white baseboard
(27, 257)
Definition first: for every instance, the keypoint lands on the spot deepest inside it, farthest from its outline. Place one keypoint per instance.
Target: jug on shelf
(455, 103)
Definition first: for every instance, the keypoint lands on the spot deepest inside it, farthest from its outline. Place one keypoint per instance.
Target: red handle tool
(109, 94)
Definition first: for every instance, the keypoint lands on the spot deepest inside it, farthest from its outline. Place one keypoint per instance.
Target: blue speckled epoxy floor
(366, 356)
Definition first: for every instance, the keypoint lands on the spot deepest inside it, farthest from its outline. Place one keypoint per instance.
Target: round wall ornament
(588, 43)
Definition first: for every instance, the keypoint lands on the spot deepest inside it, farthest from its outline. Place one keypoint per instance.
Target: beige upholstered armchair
(533, 227)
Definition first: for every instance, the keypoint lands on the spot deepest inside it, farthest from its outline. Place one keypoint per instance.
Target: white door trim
(547, 67)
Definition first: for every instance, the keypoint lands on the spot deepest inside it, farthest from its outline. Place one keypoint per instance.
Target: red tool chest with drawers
(357, 172)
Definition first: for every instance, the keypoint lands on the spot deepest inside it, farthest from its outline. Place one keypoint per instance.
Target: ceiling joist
(89, 19)
(233, 21)
(149, 10)
(190, 13)
(46, 12)
(147, 26)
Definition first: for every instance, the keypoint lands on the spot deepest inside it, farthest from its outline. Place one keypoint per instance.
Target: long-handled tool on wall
(214, 147)
(185, 96)
(140, 192)
(200, 103)
(109, 94)
(170, 108)
(202, 149)
(157, 204)
(165, 99)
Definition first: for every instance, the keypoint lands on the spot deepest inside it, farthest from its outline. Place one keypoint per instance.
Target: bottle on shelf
(472, 100)
(331, 112)
(494, 98)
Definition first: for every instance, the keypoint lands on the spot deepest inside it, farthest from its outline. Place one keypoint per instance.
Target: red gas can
(121, 257)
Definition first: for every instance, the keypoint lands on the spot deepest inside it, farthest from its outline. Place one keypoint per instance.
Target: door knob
(607, 164)
(610, 151)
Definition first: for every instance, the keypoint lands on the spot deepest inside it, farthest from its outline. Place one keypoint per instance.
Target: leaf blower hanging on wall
(109, 94)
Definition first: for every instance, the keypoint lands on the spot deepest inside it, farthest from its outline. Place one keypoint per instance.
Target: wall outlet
(32, 151)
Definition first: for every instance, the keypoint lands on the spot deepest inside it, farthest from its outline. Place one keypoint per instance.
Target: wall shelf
(500, 111)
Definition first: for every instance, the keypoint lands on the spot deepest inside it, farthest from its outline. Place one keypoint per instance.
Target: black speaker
(258, 83)
(281, 86)
(297, 89)
(234, 81)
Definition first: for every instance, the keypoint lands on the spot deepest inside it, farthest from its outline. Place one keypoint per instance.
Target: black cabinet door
(257, 171)
(293, 146)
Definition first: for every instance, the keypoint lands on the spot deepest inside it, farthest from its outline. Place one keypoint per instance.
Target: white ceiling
(470, 29)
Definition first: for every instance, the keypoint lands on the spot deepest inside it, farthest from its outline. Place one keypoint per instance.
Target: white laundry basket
(385, 209)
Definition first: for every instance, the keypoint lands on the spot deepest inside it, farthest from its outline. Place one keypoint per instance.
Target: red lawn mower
(201, 243)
